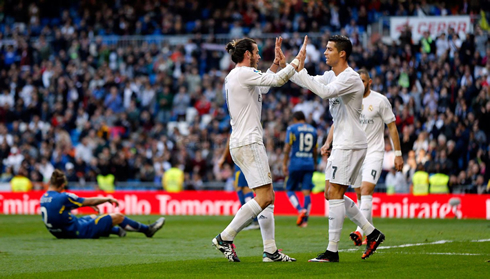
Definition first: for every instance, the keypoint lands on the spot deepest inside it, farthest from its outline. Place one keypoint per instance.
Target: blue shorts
(240, 180)
(94, 228)
(298, 177)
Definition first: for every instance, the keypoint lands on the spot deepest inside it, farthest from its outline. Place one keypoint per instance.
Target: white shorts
(343, 166)
(370, 170)
(252, 160)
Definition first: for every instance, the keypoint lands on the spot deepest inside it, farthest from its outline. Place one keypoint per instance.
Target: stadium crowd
(71, 101)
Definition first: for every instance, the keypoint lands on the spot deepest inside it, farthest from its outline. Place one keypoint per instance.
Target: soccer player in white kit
(244, 87)
(376, 112)
(344, 89)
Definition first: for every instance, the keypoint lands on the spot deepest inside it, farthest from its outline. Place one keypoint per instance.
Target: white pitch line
(446, 254)
(456, 254)
(481, 240)
(421, 244)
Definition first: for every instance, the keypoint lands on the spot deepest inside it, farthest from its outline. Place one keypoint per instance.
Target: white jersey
(345, 93)
(244, 88)
(376, 112)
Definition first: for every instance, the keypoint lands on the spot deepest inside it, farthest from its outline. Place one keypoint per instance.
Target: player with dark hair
(376, 112)
(344, 89)
(244, 87)
(301, 143)
(57, 204)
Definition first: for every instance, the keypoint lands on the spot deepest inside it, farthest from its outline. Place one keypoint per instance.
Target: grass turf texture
(183, 249)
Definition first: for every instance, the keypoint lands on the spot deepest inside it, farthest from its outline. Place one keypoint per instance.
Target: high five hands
(280, 58)
(301, 57)
(298, 63)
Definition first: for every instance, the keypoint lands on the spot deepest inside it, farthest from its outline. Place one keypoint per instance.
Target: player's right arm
(328, 143)
(97, 201)
(226, 154)
(287, 149)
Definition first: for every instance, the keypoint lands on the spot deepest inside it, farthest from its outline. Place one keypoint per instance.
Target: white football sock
(356, 216)
(336, 209)
(267, 229)
(366, 210)
(242, 218)
(359, 206)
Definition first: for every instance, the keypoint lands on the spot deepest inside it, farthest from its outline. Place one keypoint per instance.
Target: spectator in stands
(396, 182)
(173, 179)
(479, 186)
(21, 182)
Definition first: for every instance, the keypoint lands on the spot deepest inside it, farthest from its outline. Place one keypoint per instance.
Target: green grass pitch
(182, 249)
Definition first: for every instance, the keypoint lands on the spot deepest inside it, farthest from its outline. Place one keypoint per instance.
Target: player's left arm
(97, 201)
(315, 151)
(326, 91)
(395, 138)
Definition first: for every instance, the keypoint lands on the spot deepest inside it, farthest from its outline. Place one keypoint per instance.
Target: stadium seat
(190, 113)
(183, 128)
(152, 78)
(55, 22)
(189, 26)
(75, 136)
(206, 119)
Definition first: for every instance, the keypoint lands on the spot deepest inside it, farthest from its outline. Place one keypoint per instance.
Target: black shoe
(327, 257)
(225, 247)
(373, 241)
(153, 228)
(356, 237)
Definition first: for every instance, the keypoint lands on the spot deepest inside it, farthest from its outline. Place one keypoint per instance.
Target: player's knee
(117, 218)
(269, 199)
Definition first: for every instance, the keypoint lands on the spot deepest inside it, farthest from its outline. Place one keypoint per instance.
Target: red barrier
(226, 203)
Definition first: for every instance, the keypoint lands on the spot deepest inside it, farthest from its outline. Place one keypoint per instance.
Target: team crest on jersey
(269, 174)
(370, 108)
(257, 71)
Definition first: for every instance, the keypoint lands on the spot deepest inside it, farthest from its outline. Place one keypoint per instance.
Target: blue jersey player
(241, 186)
(300, 151)
(57, 204)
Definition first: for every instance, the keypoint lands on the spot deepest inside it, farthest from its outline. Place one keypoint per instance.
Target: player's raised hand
(279, 58)
(302, 52)
(300, 58)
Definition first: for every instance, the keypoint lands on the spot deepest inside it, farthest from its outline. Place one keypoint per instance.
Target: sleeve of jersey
(297, 80)
(265, 89)
(387, 112)
(288, 136)
(256, 78)
(73, 201)
(331, 90)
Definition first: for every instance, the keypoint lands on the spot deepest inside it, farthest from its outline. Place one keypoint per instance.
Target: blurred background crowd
(125, 113)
